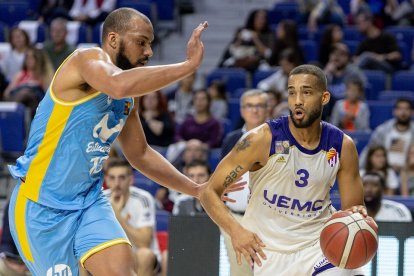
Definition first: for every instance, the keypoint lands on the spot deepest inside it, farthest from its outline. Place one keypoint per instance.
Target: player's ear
(326, 97)
(113, 40)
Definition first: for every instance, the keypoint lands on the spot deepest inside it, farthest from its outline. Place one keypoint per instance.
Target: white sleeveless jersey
(289, 200)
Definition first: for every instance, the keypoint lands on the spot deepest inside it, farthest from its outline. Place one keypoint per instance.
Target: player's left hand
(359, 209)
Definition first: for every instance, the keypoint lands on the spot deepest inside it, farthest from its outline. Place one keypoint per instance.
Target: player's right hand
(195, 47)
(249, 245)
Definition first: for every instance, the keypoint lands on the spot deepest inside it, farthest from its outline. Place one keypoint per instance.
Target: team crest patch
(282, 147)
(127, 107)
(332, 157)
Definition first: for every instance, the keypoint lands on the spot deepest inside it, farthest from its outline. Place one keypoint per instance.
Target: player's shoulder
(90, 53)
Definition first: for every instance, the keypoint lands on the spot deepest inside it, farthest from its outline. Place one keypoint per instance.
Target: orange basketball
(348, 240)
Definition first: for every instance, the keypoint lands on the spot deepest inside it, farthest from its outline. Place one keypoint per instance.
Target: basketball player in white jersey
(293, 163)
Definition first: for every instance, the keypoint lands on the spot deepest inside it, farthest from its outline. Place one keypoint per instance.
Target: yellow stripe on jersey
(100, 247)
(20, 223)
(39, 165)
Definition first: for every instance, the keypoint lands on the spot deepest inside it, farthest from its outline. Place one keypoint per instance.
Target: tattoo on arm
(232, 176)
(243, 144)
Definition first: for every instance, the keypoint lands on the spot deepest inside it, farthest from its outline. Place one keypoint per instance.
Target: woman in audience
(13, 61)
(156, 121)
(407, 174)
(377, 162)
(202, 125)
(219, 105)
(351, 113)
(30, 84)
(286, 37)
(331, 34)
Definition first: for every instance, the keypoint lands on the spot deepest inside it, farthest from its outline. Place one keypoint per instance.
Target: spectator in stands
(11, 263)
(381, 11)
(395, 135)
(286, 37)
(201, 125)
(331, 35)
(29, 85)
(135, 210)
(407, 174)
(402, 12)
(57, 48)
(251, 44)
(13, 61)
(156, 121)
(377, 161)
(379, 50)
(278, 80)
(91, 11)
(198, 171)
(51, 9)
(315, 12)
(180, 98)
(253, 109)
(339, 70)
(351, 113)
(218, 94)
(379, 208)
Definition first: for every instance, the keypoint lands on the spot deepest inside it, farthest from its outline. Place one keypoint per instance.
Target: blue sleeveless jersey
(68, 144)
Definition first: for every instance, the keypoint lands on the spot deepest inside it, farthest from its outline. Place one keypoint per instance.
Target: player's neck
(307, 137)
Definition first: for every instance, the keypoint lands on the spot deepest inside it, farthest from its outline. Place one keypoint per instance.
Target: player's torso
(67, 146)
(289, 198)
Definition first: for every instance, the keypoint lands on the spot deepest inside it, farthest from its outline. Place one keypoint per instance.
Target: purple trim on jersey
(322, 269)
(331, 136)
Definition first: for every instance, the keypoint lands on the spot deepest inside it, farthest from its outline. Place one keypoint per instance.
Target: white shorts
(309, 261)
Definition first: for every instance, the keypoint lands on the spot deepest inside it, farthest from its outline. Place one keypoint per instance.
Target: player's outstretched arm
(349, 180)
(152, 164)
(250, 150)
(96, 69)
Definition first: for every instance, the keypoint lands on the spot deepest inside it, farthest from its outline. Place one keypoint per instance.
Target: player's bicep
(349, 180)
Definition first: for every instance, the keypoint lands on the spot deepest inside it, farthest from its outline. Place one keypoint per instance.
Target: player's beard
(121, 60)
(313, 116)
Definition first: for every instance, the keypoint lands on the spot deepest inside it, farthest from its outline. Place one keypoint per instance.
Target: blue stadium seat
(393, 95)
(310, 50)
(3, 32)
(261, 75)
(12, 12)
(148, 185)
(406, 54)
(345, 5)
(283, 10)
(402, 33)
(233, 77)
(352, 45)
(36, 31)
(380, 111)
(144, 6)
(12, 129)
(227, 126)
(165, 9)
(376, 83)
(97, 33)
(162, 218)
(360, 138)
(214, 158)
(305, 34)
(352, 33)
(403, 80)
(234, 112)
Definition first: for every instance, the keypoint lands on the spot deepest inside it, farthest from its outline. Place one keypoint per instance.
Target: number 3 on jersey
(303, 178)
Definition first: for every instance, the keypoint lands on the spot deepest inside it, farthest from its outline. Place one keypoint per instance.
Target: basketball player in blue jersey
(293, 163)
(59, 217)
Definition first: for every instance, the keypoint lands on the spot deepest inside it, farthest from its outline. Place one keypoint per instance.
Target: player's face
(118, 179)
(199, 174)
(305, 100)
(135, 45)
(254, 110)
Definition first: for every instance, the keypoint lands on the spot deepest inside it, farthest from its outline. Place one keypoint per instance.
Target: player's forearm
(217, 211)
(143, 80)
(157, 168)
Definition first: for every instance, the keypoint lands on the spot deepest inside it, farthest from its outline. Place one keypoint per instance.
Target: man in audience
(378, 208)
(198, 171)
(135, 210)
(57, 48)
(253, 109)
(395, 135)
(180, 99)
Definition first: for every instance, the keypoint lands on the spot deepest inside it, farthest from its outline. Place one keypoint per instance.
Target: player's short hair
(312, 70)
(118, 21)
(253, 92)
(117, 162)
(198, 163)
(374, 177)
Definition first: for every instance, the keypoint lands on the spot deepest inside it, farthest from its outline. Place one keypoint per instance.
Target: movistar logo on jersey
(285, 202)
(103, 132)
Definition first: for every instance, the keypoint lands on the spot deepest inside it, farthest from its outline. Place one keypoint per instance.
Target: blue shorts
(53, 241)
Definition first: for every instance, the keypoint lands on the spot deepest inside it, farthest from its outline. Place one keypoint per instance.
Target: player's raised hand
(195, 47)
(249, 245)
